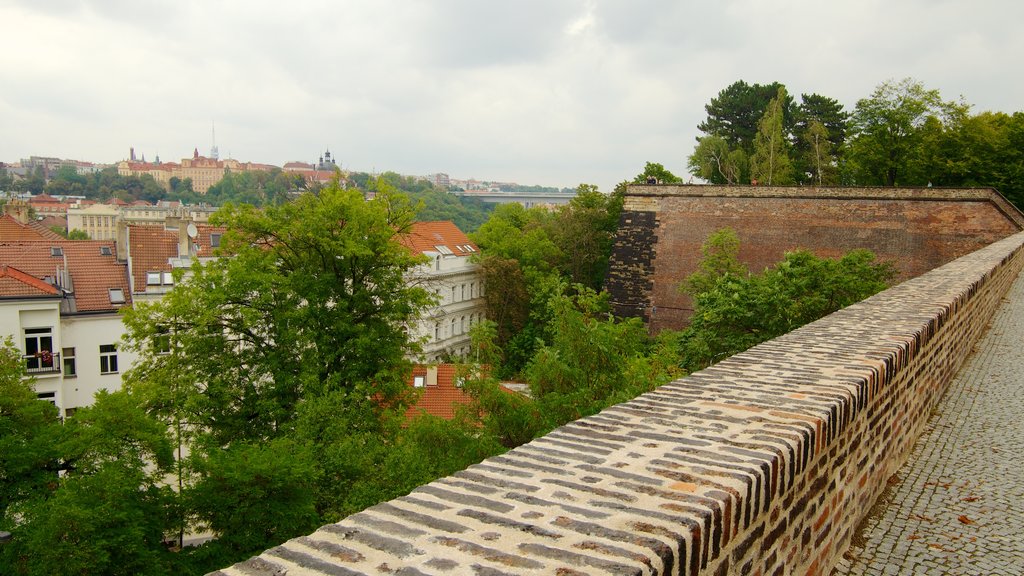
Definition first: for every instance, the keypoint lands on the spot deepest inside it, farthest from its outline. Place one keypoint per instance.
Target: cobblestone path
(958, 507)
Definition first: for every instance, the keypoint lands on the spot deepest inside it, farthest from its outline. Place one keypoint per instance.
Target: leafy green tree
(735, 114)
(815, 160)
(105, 514)
(29, 431)
(733, 312)
(770, 163)
(888, 133)
(818, 155)
(314, 299)
(713, 161)
(657, 173)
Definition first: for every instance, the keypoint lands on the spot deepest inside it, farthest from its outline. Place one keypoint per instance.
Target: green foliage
(713, 161)
(254, 495)
(889, 127)
(733, 311)
(434, 204)
(657, 173)
(819, 135)
(593, 361)
(29, 431)
(735, 114)
(770, 163)
(106, 514)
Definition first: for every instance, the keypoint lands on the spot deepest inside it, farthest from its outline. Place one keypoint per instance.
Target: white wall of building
(458, 284)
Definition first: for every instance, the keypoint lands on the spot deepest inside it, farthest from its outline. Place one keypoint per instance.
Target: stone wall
(763, 464)
(918, 229)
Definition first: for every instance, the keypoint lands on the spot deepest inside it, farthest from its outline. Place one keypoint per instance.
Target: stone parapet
(762, 464)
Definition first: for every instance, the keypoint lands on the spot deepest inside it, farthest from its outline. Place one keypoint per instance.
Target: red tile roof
(441, 400)
(13, 230)
(93, 273)
(428, 236)
(14, 282)
(151, 249)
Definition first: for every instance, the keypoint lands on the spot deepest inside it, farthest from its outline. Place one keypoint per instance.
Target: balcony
(42, 363)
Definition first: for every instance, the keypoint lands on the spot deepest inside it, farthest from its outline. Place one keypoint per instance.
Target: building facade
(457, 284)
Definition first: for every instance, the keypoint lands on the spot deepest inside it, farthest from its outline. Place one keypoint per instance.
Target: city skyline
(534, 92)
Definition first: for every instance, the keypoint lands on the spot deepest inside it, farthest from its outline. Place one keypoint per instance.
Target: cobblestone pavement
(958, 507)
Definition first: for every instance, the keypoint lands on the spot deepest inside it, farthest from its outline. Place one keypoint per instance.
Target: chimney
(18, 209)
(431, 375)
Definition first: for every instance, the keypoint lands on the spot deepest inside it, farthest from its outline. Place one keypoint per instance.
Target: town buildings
(204, 172)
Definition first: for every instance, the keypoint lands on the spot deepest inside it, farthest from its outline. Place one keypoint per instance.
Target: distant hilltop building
(204, 172)
(323, 171)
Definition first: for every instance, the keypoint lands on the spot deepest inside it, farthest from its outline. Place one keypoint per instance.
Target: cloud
(553, 93)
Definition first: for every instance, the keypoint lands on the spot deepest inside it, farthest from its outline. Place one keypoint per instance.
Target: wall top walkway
(950, 509)
(764, 463)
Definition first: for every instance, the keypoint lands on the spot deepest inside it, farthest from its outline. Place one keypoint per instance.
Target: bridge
(527, 199)
(766, 463)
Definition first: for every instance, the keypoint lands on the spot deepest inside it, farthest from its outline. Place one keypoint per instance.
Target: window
(463, 291)
(116, 296)
(48, 396)
(418, 381)
(70, 369)
(453, 327)
(38, 348)
(215, 240)
(162, 340)
(105, 251)
(168, 278)
(152, 278)
(437, 262)
(472, 288)
(463, 324)
(56, 251)
(453, 293)
(444, 250)
(437, 331)
(108, 359)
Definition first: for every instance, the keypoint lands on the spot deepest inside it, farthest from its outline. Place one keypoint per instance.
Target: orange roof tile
(150, 249)
(13, 230)
(15, 283)
(91, 264)
(429, 236)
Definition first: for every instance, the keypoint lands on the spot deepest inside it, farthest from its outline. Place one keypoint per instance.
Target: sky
(539, 92)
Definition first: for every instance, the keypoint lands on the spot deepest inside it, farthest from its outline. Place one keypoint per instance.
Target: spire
(214, 153)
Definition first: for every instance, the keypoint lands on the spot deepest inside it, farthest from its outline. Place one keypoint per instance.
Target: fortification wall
(762, 464)
(663, 227)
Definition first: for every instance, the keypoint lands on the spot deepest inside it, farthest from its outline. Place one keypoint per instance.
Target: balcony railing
(42, 363)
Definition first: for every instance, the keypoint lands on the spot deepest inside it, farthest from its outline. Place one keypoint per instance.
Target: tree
(733, 312)
(314, 299)
(713, 161)
(888, 126)
(818, 155)
(657, 173)
(770, 163)
(817, 116)
(105, 513)
(735, 114)
(29, 430)
(593, 361)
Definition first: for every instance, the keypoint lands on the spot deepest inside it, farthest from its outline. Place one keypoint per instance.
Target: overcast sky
(545, 92)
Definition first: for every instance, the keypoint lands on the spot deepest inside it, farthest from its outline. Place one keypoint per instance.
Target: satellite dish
(191, 230)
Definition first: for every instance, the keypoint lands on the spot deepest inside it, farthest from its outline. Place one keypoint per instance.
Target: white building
(60, 302)
(457, 282)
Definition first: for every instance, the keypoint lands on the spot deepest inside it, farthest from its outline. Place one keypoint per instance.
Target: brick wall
(918, 229)
(763, 464)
